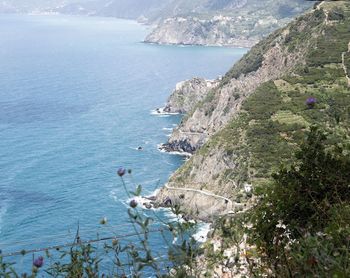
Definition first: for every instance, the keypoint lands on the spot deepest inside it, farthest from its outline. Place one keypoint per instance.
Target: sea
(77, 100)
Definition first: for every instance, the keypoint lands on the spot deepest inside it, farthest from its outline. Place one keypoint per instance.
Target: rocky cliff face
(252, 121)
(268, 60)
(239, 23)
(188, 94)
(218, 31)
(196, 22)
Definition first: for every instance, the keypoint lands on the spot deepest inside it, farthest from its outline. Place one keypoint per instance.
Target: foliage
(117, 258)
(301, 226)
(250, 62)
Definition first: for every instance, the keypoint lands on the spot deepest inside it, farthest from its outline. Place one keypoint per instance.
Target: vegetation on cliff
(301, 225)
(292, 177)
(298, 224)
(218, 22)
(273, 120)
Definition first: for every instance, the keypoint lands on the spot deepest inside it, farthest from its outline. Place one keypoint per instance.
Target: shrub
(301, 225)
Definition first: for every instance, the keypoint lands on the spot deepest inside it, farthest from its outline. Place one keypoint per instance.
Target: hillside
(256, 117)
(230, 23)
(200, 22)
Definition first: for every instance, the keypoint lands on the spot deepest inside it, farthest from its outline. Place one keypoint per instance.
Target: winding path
(201, 192)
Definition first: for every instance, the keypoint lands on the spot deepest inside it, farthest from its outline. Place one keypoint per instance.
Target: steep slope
(201, 22)
(266, 61)
(252, 134)
(217, 22)
(188, 94)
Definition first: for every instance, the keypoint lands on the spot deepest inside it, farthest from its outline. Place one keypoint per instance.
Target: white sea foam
(202, 232)
(160, 112)
(135, 149)
(144, 201)
(168, 128)
(141, 201)
(159, 146)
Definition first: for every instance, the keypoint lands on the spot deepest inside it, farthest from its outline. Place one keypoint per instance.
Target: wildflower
(133, 203)
(311, 102)
(121, 171)
(38, 262)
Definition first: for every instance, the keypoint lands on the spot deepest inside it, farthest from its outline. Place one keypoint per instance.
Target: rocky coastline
(211, 109)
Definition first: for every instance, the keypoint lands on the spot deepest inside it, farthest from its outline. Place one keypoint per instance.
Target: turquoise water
(76, 95)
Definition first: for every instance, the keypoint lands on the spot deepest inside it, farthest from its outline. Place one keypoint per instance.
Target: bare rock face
(239, 23)
(188, 94)
(217, 31)
(217, 129)
(224, 101)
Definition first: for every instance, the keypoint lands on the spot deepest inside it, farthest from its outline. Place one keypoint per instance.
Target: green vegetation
(347, 62)
(128, 255)
(297, 35)
(301, 225)
(250, 62)
(274, 119)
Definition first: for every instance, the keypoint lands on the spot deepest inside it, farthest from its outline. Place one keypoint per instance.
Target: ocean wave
(162, 150)
(202, 232)
(145, 202)
(160, 112)
(167, 129)
(136, 149)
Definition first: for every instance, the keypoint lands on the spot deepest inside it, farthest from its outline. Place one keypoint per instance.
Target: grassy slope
(275, 117)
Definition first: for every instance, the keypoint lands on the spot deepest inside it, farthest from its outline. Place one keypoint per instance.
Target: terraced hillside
(266, 125)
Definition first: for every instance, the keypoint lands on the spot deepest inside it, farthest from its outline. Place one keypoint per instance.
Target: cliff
(188, 94)
(217, 31)
(197, 22)
(256, 116)
(239, 23)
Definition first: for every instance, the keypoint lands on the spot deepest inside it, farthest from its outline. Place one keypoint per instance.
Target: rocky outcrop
(179, 146)
(188, 94)
(218, 31)
(203, 205)
(233, 132)
(238, 23)
(225, 101)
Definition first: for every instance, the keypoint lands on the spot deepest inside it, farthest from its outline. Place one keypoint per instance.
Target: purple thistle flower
(310, 102)
(133, 203)
(38, 262)
(121, 171)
